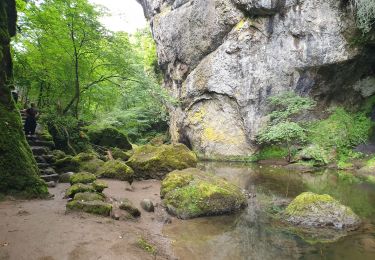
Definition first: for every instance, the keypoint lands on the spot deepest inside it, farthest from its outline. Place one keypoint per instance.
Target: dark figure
(30, 122)
(15, 96)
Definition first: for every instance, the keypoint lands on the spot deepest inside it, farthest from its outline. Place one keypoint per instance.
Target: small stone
(147, 205)
(51, 184)
(129, 207)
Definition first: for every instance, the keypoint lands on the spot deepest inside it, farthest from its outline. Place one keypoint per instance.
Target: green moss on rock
(67, 164)
(314, 210)
(94, 207)
(19, 174)
(109, 137)
(192, 193)
(77, 188)
(99, 186)
(89, 196)
(119, 154)
(126, 205)
(118, 170)
(153, 162)
(82, 177)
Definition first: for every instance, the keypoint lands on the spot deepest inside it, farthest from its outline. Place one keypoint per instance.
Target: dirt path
(42, 230)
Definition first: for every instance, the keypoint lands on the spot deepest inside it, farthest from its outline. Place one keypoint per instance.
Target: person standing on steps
(30, 122)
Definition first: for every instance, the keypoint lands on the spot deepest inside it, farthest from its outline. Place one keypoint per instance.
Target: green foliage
(365, 12)
(149, 248)
(341, 131)
(66, 133)
(288, 104)
(283, 132)
(316, 153)
(272, 152)
(282, 129)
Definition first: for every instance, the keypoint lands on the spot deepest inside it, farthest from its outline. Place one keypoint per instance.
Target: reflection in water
(252, 234)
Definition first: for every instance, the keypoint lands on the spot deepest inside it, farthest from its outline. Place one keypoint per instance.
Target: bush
(341, 131)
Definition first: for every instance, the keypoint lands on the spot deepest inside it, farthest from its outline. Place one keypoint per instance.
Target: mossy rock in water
(67, 164)
(153, 162)
(109, 137)
(313, 210)
(193, 193)
(118, 170)
(99, 186)
(89, 196)
(82, 177)
(94, 207)
(126, 205)
(77, 188)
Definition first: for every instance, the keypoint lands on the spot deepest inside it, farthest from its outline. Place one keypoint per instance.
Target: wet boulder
(313, 210)
(154, 162)
(82, 177)
(109, 137)
(193, 193)
(94, 207)
(118, 170)
(147, 205)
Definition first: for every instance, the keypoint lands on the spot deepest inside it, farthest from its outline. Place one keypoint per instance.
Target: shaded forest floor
(41, 229)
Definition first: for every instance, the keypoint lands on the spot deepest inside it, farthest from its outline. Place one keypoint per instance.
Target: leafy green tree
(282, 130)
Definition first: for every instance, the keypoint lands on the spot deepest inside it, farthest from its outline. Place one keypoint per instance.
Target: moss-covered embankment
(18, 170)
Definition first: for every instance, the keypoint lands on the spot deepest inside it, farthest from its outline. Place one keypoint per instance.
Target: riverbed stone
(99, 186)
(128, 206)
(79, 187)
(154, 162)
(314, 210)
(147, 205)
(116, 169)
(193, 193)
(94, 207)
(89, 196)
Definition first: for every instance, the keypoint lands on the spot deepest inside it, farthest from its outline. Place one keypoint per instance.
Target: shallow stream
(256, 234)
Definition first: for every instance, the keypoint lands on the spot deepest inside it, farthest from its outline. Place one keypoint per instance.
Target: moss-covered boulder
(82, 177)
(89, 196)
(153, 162)
(94, 207)
(67, 164)
(119, 154)
(99, 186)
(193, 193)
(77, 188)
(19, 174)
(118, 170)
(126, 205)
(314, 210)
(109, 137)
(58, 154)
(88, 162)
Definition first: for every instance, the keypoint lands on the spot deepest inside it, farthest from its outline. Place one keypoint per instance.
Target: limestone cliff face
(223, 58)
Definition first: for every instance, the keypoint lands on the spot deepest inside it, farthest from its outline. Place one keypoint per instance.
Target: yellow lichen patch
(215, 135)
(198, 116)
(240, 25)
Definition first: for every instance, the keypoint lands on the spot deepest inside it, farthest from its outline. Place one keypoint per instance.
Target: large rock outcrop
(223, 58)
(19, 173)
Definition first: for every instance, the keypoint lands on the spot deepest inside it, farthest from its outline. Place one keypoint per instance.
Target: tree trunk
(19, 173)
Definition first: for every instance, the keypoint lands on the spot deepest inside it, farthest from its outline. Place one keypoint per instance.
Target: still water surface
(254, 234)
